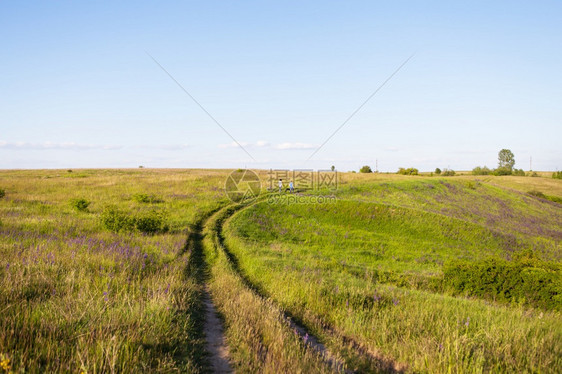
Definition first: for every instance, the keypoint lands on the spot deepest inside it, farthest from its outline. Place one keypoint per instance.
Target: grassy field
(371, 267)
(76, 297)
(106, 270)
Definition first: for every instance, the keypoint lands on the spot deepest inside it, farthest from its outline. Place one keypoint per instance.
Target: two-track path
(216, 344)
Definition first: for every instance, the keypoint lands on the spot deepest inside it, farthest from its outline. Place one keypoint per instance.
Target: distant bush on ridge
(409, 171)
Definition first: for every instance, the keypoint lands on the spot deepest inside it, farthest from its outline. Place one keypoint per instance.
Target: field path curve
(378, 363)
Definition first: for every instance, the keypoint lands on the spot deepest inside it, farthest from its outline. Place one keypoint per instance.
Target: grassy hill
(106, 270)
(389, 262)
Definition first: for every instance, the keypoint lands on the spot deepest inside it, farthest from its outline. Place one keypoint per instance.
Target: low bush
(481, 171)
(502, 171)
(365, 169)
(150, 222)
(541, 195)
(437, 171)
(409, 171)
(2, 193)
(448, 172)
(116, 220)
(557, 175)
(526, 280)
(80, 205)
(518, 172)
(537, 194)
(146, 199)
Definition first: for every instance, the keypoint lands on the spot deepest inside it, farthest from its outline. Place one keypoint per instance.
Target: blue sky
(77, 88)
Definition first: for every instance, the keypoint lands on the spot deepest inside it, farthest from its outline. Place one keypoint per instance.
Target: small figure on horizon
(280, 186)
(291, 188)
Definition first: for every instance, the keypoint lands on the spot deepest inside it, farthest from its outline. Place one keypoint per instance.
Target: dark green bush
(116, 220)
(145, 198)
(437, 171)
(151, 222)
(80, 205)
(365, 169)
(557, 175)
(518, 172)
(537, 194)
(448, 172)
(2, 193)
(502, 171)
(481, 171)
(524, 280)
(409, 171)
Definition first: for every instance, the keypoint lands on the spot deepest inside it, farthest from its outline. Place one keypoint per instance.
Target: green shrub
(80, 205)
(151, 222)
(502, 171)
(525, 280)
(409, 171)
(448, 172)
(533, 174)
(365, 169)
(116, 220)
(437, 171)
(481, 171)
(146, 199)
(557, 175)
(518, 172)
(537, 194)
(2, 193)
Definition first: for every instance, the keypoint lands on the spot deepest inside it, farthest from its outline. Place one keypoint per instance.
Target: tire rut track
(376, 362)
(215, 343)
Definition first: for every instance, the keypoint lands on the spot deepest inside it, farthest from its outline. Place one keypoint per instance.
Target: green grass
(259, 338)
(75, 296)
(412, 273)
(371, 268)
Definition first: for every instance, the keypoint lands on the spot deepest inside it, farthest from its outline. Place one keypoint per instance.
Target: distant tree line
(506, 163)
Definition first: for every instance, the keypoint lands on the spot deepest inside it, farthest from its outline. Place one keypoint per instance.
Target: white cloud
(51, 145)
(266, 144)
(165, 147)
(292, 146)
(233, 145)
